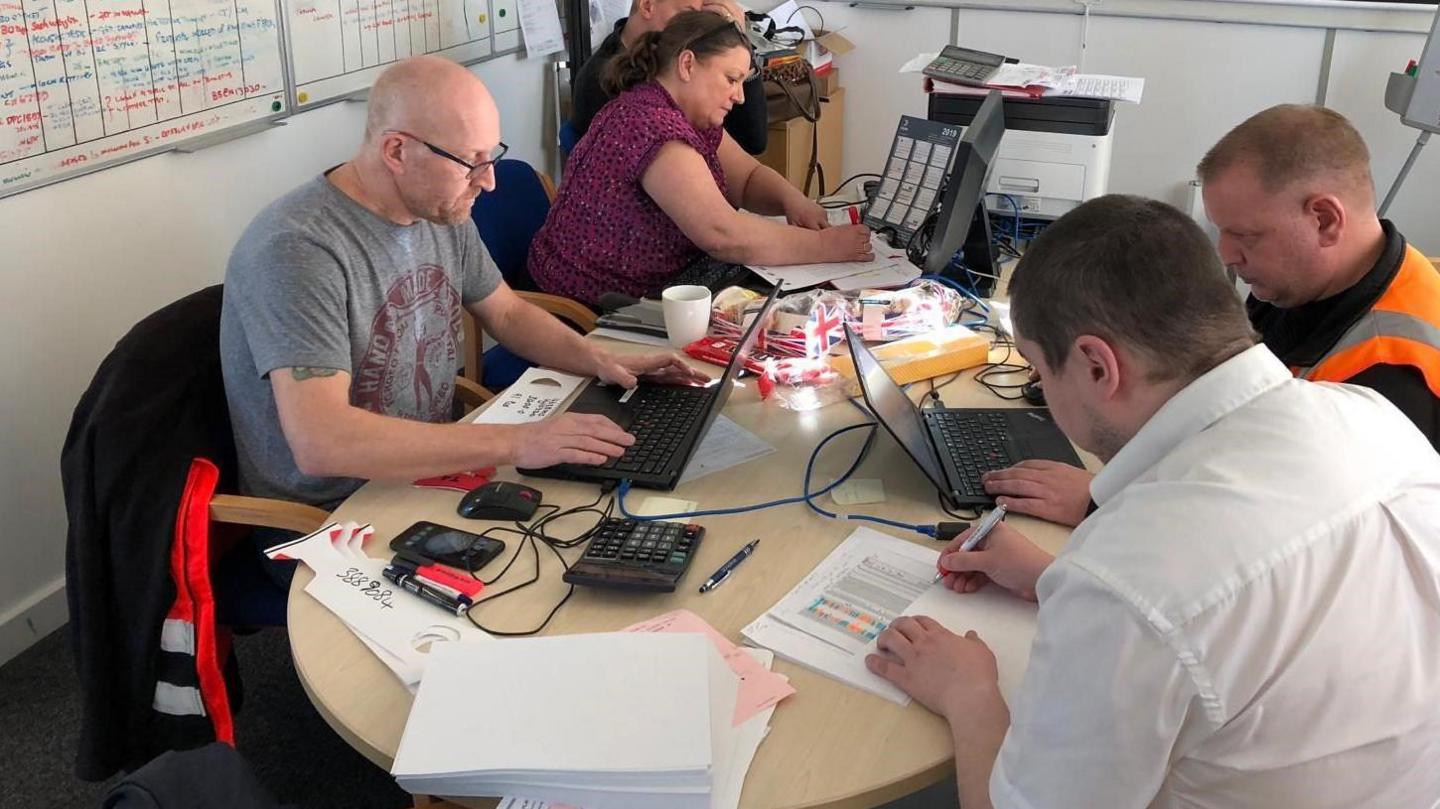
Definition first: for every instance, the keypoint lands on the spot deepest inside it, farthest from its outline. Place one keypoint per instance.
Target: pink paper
(760, 688)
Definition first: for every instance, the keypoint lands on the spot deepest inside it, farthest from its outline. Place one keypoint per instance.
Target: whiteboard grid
(338, 47)
(88, 84)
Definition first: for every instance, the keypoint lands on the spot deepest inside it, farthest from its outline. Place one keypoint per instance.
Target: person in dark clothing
(1335, 291)
(747, 123)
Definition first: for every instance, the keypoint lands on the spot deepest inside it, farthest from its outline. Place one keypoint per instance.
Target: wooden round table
(830, 745)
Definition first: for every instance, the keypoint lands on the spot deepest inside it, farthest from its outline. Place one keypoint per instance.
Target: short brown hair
(700, 32)
(1293, 143)
(1134, 271)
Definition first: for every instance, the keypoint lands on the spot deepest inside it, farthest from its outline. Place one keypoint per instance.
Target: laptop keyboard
(976, 443)
(663, 418)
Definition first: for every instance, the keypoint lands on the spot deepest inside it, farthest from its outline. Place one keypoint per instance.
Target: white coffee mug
(687, 313)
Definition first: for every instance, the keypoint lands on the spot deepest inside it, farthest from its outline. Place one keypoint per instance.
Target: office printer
(1055, 153)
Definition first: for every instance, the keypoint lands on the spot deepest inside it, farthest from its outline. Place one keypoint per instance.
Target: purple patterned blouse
(604, 233)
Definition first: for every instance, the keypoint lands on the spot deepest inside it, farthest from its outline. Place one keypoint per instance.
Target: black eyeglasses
(472, 170)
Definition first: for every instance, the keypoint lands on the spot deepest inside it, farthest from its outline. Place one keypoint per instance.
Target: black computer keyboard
(977, 443)
(635, 555)
(713, 274)
(663, 417)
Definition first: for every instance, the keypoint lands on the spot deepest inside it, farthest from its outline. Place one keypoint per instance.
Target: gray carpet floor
(294, 753)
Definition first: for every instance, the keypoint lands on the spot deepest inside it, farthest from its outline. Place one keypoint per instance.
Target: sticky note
(858, 491)
(654, 506)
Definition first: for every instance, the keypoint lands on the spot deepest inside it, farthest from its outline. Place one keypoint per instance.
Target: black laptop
(668, 421)
(955, 446)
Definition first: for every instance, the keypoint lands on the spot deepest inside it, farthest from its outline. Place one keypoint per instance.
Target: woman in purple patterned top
(656, 182)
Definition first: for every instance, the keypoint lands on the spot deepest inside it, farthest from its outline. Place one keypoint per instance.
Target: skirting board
(33, 619)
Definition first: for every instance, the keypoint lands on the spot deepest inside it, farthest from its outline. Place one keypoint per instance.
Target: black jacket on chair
(153, 671)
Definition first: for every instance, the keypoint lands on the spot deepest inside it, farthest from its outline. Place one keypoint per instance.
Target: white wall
(84, 260)
(1203, 76)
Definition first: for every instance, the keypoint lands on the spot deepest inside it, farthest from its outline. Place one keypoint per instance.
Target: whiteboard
(85, 84)
(338, 47)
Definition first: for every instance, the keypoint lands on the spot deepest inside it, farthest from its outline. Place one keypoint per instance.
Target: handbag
(791, 92)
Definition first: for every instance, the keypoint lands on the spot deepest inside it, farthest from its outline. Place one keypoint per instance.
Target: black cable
(533, 535)
(1003, 368)
(799, 9)
(940, 498)
(852, 178)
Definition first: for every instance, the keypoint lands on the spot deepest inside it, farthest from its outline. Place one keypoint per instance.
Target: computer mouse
(500, 500)
(1033, 392)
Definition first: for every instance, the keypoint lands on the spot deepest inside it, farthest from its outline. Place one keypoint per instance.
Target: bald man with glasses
(341, 328)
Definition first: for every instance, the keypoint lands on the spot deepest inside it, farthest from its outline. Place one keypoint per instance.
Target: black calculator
(637, 555)
(964, 66)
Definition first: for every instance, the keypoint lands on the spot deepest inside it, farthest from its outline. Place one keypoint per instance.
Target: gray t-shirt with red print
(318, 281)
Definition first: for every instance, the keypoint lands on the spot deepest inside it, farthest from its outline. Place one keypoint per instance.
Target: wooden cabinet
(790, 144)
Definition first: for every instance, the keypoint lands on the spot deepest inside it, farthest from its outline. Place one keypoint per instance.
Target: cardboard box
(789, 145)
(822, 50)
(924, 356)
(828, 82)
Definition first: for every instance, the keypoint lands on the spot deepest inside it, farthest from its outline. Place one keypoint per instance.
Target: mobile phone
(448, 546)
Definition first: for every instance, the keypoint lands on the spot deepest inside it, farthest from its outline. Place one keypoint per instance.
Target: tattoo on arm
(302, 374)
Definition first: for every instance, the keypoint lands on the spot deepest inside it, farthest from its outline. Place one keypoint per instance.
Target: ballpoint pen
(724, 572)
(977, 536)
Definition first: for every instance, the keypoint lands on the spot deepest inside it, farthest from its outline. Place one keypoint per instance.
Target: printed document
(540, 25)
(535, 395)
(830, 620)
(799, 276)
(726, 444)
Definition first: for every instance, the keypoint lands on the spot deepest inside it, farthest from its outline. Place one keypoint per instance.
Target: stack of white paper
(748, 736)
(606, 721)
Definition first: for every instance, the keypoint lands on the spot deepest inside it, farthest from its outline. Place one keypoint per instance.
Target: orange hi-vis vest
(1402, 328)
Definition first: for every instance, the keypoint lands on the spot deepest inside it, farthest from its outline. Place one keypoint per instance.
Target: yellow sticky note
(655, 506)
(858, 491)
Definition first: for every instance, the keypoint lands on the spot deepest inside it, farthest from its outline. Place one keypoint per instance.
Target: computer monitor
(961, 220)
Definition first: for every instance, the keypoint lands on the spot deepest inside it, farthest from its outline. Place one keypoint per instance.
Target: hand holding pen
(971, 540)
(1006, 557)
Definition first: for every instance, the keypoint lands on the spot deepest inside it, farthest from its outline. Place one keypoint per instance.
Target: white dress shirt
(1252, 616)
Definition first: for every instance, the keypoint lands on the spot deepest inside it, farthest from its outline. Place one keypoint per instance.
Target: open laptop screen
(743, 348)
(894, 410)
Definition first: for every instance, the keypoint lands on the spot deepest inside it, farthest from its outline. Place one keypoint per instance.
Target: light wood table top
(830, 745)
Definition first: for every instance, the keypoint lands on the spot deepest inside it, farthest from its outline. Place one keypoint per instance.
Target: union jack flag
(822, 331)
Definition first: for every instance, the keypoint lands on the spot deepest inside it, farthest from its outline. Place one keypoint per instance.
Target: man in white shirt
(1251, 617)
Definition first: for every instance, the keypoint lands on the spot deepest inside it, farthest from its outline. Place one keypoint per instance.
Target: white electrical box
(1417, 97)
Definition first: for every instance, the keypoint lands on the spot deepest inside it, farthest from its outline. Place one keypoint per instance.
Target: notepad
(604, 721)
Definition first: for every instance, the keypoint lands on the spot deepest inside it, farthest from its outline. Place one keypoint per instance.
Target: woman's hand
(845, 243)
(804, 213)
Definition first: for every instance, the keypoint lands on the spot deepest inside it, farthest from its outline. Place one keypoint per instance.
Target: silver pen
(978, 535)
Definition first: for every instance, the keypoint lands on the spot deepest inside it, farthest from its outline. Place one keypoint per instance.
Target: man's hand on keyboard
(568, 438)
(1050, 490)
(626, 369)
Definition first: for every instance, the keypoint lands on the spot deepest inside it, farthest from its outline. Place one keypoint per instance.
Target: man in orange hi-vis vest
(1335, 291)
